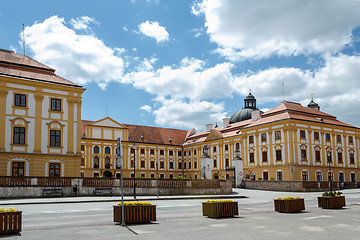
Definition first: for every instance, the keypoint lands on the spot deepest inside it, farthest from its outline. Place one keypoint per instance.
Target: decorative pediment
(214, 135)
(107, 122)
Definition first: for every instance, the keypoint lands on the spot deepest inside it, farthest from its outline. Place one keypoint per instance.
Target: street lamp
(134, 147)
(330, 174)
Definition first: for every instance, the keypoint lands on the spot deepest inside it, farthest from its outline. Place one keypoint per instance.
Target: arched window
(96, 162)
(107, 150)
(96, 149)
(107, 161)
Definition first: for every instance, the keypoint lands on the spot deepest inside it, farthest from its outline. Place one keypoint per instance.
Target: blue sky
(184, 64)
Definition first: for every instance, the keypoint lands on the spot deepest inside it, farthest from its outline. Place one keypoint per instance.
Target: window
(82, 163)
(152, 151)
(171, 165)
(152, 164)
(132, 163)
(303, 155)
(96, 174)
(251, 139)
(227, 162)
(338, 138)
(237, 146)
(55, 104)
(20, 100)
(55, 138)
(214, 149)
(179, 153)
(54, 170)
(195, 152)
(132, 151)
(352, 159)
(305, 176)
(184, 153)
(351, 140)
(96, 162)
(266, 175)
(195, 165)
(264, 156)
(318, 176)
(329, 159)
(184, 165)
(226, 147)
(263, 137)
(189, 153)
(162, 165)
(142, 164)
(18, 169)
(353, 177)
(171, 176)
(330, 176)
(340, 157)
(107, 150)
(252, 158)
(161, 152)
(277, 135)
(96, 149)
(279, 176)
(142, 151)
(162, 175)
(189, 165)
(19, 135)
(171, 153)
(215, 163)
(152, 175)
(302, 134)
(82, 174)
(341, 177)
(179, 165)
(327, 137)
(278, 155)
(316, 136)
(317, 156)
(82, 147)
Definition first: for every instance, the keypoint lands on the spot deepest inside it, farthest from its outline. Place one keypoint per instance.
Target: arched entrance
(108, 174)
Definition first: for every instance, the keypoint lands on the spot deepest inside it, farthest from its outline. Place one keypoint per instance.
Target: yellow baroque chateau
(42, 134)
(40, 119)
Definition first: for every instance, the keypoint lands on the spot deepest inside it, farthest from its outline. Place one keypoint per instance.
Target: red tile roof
(155, 135)
(22, 66)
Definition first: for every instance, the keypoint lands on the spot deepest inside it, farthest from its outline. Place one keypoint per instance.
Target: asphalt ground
(182, 219)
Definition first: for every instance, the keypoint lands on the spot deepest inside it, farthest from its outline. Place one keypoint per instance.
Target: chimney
(226, 122)
(209, 127)
(255, 115)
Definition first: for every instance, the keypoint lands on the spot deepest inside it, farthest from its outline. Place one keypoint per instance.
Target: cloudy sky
(184, 64)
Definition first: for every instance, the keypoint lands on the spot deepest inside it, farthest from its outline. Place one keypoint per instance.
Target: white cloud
(258, 29)
(193, 114)
(146, 108)
(80, 58)
(154, 30)
(82, 23)
(335, 86)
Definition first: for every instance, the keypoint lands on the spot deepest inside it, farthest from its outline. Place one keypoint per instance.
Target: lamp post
(134, 147)
(330, 174)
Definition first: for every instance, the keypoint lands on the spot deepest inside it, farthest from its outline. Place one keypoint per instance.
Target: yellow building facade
(40, 119)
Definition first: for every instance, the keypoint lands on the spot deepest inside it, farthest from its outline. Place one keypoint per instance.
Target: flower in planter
(218, 201)
(8, 210)
(135, 203)
(288, 198)
(331, 194)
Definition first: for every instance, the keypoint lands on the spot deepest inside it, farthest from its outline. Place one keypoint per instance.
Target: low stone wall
(32, 187)
(296, 186)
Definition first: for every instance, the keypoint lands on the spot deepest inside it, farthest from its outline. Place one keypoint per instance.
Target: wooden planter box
(10, 222)
(331, 202)
(220, 209)
(289, 205)
(135, 214)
